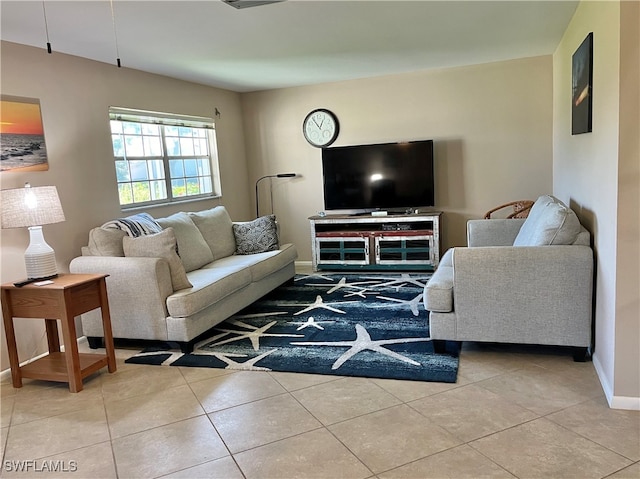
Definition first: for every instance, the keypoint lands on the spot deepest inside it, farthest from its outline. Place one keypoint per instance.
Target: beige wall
(594, 172)
(75, 95)
(491, 124)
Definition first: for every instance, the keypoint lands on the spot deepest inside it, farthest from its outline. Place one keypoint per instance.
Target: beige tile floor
(514, 412)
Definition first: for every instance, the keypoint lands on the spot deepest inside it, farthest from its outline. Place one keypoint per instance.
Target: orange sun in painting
(20, 118)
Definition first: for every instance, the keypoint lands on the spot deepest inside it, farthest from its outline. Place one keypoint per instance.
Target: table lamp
(33, 207)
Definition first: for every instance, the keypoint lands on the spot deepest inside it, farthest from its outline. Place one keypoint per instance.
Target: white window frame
(198, 174)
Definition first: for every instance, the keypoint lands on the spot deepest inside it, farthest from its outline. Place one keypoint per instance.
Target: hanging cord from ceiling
(115, 33)
(46, 26)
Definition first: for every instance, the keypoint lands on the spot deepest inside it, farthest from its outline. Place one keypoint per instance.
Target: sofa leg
(95, 342)
(439, 346)
(581, 354)
(187, 347)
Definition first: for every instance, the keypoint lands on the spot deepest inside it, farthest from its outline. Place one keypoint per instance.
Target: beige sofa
(519, 281)
(158, 293)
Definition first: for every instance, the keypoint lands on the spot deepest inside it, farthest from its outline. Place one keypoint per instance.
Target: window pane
(151, 130)
(138, 170)
(122, 171)
(152, 146)
(193, 186)
(171, 130)
(131, 128)
(173, 146)
(205, 185)
(118, 145)
(156, 169)
(184, 131)
(125, 194)
(176, 168)
(141, 191)
(133, 145)
(204, 166)
(158, 190)
(116, 126)
(200, 147)
(178, 188)
(191, 167)
(186, 146)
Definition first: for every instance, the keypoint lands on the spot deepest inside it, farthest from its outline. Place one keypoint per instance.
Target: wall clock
(320, 127)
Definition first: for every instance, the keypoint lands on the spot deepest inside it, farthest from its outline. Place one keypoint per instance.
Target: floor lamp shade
(31, 208)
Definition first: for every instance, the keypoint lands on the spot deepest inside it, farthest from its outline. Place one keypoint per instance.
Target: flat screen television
(388, 176)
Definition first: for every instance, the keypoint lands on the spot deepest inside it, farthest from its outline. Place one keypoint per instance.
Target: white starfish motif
(399, 282)
(313, 275)
(364, 342)
(343, 284)
(318, 303)
(248, 365)
(312, 322)
(413, 303)
(254, 334)
(173, 356)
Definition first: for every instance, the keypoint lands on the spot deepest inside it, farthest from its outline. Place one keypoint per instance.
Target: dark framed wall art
(582, 87)
(22, 146)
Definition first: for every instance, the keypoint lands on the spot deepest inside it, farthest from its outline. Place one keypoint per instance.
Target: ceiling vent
(239, 4)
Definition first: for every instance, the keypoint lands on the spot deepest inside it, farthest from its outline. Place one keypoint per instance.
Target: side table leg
(106, 327)
(10, 335)
(53, 339)
(71, 354)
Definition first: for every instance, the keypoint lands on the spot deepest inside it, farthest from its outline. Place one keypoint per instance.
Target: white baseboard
(6, 374)
(615, 402)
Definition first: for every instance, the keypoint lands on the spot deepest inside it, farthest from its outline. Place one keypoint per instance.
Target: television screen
(384, 176)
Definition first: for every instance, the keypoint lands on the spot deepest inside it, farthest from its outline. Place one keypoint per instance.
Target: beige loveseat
(519, 281)
(174, 278)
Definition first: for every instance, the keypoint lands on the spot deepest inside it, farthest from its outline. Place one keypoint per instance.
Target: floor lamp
(279, 175)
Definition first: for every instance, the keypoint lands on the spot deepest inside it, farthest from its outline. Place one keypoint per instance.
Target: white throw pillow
(159, 245)
(192, 248)
(550, 222)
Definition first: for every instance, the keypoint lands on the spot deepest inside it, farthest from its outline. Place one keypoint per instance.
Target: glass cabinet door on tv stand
(395, 242)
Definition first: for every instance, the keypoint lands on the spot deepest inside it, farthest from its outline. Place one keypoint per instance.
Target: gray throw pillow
(217, 229)
(106, 242)
(159, 245)
(192, 248)
(256, 236)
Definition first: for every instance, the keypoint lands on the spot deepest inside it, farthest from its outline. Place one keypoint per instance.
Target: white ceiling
(295, 42)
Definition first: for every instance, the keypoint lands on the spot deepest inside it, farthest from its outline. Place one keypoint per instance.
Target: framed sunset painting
(22, 145)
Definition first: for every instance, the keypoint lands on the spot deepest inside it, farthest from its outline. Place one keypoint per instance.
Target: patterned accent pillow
(256, 236)
(135, 225)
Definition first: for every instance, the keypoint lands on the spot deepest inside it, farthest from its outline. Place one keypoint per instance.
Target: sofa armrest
(137, 289)
(497, 232)
(536, 295)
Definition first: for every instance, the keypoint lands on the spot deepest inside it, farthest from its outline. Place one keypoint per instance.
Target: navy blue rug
(340, 324)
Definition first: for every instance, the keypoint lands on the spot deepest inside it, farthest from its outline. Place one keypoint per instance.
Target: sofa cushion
(257, 236)
(159, 245)
(135, 225)
(438, 294)
(211, 284)
(106, 242)
(192, 248)
(262, 264)
(216, 227)
(550, 222)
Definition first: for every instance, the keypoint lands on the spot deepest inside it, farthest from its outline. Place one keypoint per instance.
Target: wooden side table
(67, 297)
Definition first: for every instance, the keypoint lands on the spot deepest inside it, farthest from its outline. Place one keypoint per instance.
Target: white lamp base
(39, 257)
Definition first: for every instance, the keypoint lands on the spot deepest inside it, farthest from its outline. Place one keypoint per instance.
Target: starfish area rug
(339, 324)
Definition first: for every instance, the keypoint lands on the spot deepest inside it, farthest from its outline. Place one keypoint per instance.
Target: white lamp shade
(23, 207)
